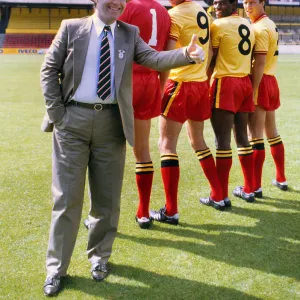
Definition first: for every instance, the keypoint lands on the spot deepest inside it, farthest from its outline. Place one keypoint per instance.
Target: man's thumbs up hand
(194, 51)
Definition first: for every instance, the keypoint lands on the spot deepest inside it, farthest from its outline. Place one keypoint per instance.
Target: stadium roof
(73, 2)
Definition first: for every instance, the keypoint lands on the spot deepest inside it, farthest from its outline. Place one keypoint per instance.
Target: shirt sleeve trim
(172, 37)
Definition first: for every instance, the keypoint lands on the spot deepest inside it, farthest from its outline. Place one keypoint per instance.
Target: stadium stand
(287, 19)
(36, 27)
(41, 20)
(33, 23)
(28, 40)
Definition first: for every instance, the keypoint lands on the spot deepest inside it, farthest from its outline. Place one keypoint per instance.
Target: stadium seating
(36, 27)
(287, 19)
(288, 32)
(41, 20)
(28, 40)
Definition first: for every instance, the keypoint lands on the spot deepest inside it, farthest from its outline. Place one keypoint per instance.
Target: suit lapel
(81, 43)
(121, 49)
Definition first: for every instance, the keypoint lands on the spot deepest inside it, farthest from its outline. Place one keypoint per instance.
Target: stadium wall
(286, 49)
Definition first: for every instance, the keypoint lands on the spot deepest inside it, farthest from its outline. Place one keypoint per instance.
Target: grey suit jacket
(64, 62)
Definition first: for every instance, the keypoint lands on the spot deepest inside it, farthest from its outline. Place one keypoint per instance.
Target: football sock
(259, 155)
(223, 164)
(277, 151)
(209, 168)
(246, 159)
(170, 176)
(144, 177)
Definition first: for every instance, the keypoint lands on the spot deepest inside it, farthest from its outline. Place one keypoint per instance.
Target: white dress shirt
(87, 89)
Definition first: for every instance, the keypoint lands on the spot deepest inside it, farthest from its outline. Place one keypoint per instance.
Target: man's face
(109, 10)
(176, 2)
(253, 8)
(223, 8)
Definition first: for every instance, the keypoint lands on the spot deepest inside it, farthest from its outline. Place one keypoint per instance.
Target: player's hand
(194, 51)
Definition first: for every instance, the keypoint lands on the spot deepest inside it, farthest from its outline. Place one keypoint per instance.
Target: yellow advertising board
(22, 51)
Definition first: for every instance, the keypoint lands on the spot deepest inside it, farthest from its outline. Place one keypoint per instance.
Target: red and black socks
(259, 155)
(209, 168)
(223, 165)
(144, 177)
(277, 151)
(170, 176)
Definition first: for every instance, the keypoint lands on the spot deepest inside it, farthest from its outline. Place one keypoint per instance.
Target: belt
(95, 106)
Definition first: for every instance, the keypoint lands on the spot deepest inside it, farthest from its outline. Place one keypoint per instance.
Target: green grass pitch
(250, 252)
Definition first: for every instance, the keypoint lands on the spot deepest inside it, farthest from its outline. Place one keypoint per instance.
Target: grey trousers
(94, 140)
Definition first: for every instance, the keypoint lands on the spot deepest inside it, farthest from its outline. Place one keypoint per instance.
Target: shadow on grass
(293, 190)
(271, 245)
(149, 285)
(280, 203)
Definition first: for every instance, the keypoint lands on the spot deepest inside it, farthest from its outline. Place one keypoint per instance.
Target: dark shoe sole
(163, 219)
(282, 187)
(98, 279)
(250, 199)
(170, 222)
(258, 195)
(144, 225)
(212, 204)
(227, 203)
(54, 294)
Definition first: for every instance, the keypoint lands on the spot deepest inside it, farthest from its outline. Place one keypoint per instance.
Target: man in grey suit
(91, 126)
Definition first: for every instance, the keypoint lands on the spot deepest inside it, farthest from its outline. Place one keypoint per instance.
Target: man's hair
(232, 1)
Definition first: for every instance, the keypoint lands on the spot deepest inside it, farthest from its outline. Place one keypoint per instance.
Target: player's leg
(244, 106)
(256, 125)
(170, 123)
(195, 133)
(222, 123)
(245, 153)
(169, 131)
(277, 150)
(144, 170)
(146, 104)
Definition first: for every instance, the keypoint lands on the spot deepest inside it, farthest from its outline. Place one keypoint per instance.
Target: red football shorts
(186, 101)
(232, 93)
(146, 95)
(268, 93)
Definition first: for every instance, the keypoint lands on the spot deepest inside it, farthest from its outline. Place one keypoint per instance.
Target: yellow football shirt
(266, 42)
(189, 18)
(234, 37)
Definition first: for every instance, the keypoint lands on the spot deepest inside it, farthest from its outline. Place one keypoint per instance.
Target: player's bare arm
(258, 70)
(212, 64)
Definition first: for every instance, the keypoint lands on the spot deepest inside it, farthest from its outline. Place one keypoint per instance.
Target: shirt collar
(260, 17)
(99, 25)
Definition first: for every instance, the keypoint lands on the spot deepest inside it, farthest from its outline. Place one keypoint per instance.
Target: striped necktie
(104, 84)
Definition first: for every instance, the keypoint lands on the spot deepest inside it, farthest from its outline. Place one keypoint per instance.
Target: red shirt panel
(153, 21)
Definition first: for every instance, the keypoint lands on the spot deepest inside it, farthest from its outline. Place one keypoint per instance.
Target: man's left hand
(195, 52)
